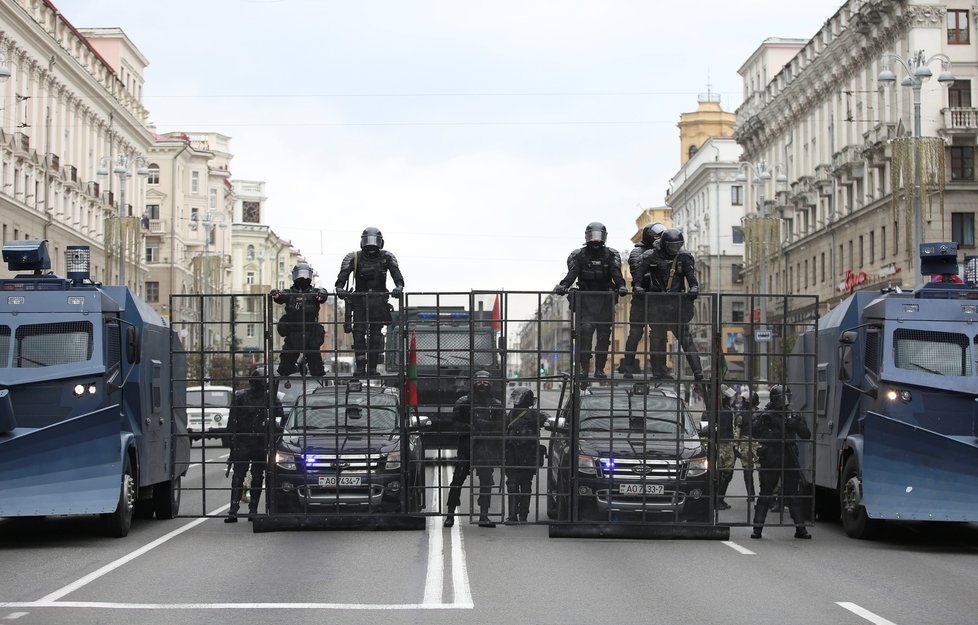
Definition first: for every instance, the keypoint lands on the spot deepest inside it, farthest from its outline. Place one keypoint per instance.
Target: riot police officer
(248, 424)
(597, 270)
(480, 419)
(672, 270)
(367, 303)
(746, 447)
(726, 457)
(777, 430)
(522, 452)
(639, 315)
(299, 324)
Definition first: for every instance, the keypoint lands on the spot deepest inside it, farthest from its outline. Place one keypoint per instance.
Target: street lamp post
(762, 175)
(917, 68)
(122, 168)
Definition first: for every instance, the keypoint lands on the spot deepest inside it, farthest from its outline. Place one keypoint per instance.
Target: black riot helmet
(481, 382)
(258, 379)
(671, 242)
(780, 397)
(522, 397)
(595, 235)
(371, 241)
(651, 233)
(302, 275)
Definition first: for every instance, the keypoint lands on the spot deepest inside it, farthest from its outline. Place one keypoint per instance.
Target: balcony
(157, 226)
(848, 162)
(960, 120)
(22, 143)
(71, 173)
(93, 189)
(54, 161)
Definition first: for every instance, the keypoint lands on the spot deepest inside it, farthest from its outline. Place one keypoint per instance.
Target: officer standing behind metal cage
(671, 270)
(249, 423)
(480, 419)
(299, 324)
(368, 310)
(523, 452)
(639, 314)
(777, 430)
(597, 270)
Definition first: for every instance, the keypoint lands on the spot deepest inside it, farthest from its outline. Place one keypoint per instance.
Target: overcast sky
(480, 137)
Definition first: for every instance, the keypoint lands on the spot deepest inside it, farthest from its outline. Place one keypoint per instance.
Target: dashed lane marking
(434, 581)
(460, 575)
(876, 619)
(15, 615)
(738, 548)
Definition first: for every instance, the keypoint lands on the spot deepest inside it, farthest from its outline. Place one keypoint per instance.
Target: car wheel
(117, 523)
(855, 521)
(166, 499)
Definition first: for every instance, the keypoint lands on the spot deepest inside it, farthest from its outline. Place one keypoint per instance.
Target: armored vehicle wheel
(166, 499)
(855, 521)
(117, 523)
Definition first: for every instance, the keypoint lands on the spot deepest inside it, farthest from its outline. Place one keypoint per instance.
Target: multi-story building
(71, 102)
(827, 123)
(548, 334)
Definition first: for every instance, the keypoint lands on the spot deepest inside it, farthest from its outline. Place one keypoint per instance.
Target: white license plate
(344, 480)
(641, 489)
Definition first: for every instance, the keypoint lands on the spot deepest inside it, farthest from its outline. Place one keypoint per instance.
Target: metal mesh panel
(48, 344)
(943, 353)
(112, 346)
(4, 345)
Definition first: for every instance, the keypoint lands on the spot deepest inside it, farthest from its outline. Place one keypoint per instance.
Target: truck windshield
(657, 416)
(49, 344)
(451, 349)
(208, 398)
(940, 353)
(330, 412)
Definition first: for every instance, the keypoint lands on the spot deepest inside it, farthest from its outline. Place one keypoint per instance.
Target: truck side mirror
(845, 362)
(133, 350)
(848, 337)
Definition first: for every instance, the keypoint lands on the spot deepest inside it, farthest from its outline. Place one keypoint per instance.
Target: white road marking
(460, 575)
(15, 615)
(105, 605)
(738, 548)
(434, 581)
(111, 566)
(876, 619)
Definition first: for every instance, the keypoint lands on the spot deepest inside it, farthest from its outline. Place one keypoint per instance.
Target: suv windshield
(657, 416)
(329, 411)
(208, 398)
(940, 353)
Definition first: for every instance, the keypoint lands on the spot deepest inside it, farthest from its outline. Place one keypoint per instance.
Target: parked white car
(208, 409)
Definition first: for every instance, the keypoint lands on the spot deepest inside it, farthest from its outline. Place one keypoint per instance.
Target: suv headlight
(285, 460)
(393, 460)
(698, 466)
(585, 464)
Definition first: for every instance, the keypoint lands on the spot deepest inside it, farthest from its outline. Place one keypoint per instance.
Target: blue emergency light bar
(434, 315)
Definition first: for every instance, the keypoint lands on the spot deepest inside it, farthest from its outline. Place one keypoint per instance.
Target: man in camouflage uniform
(726, 455)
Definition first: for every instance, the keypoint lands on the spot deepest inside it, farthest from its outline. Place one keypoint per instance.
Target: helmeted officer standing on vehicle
(249, 423)
(671, 270)
(639, 314)
(777, 430)
(299, 324)
(368, 269)
(597, 270)
(480, 419)
(523, 456)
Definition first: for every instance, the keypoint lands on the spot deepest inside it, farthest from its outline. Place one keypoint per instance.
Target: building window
(152, 292)
(195, 182)
(962, 162)
(822, 261)
(250, 277)
(872, 247)
(896, 237)
(153, 210)
(737, 273)
(737, 195)
(957, 27)
(862, 258)
(737, 234)
(152, 252)
(959, 94)
(250, 255)
(963, 229)
(251, 330)
(737, 312)
(883, 243)
(154, 174)
(212, 200)
(806, 274)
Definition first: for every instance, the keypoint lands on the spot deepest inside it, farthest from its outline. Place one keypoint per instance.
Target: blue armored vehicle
(895, 401)
(87, 418)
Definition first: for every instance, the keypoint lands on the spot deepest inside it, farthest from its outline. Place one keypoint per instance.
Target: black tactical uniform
(248, 425)
(368, 308)
(672, 270)
(776, 430)
(522, 452)
(639, 314)
(597, 270)
(299, 325)
(480, 419)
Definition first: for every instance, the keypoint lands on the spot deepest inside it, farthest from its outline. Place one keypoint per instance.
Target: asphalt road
(191, 570)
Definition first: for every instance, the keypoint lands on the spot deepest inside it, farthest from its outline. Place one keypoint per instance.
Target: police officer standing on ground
(777, 430)
(672, 270)
(248, 424)
(725, 445)
(597, 270)
(299, 325)
(522, 452)
(746, 447)
(480, 419)
(368, 301)
(639, 315)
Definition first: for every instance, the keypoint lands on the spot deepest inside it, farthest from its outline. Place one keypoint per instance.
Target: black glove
(275, 293)
(342, 293)
(397, 291)
(623, 291)
(321, 295)
(638, 290)
(560, 289)
(692, 295)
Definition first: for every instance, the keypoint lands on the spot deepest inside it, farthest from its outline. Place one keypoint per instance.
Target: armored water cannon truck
(895, 400)
(87, 418)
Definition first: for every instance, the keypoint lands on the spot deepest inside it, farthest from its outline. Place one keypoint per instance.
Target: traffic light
(543, 370)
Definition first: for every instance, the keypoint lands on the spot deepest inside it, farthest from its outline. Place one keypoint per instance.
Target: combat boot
(232, 516)
(514, 506)
(484, 520)
(760, 514)
(450, 518)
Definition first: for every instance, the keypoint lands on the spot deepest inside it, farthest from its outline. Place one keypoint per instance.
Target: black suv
(638, 456)
(341, 450)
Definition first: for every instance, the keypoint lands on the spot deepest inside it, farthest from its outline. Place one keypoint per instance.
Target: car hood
(637, 446)
(339, 442)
